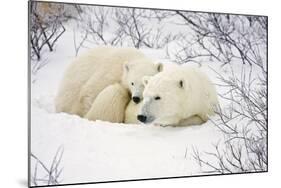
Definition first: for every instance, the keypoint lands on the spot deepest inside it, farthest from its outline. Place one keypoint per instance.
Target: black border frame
(126, 180)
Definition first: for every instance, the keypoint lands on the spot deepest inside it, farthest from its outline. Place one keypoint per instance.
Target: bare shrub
(44, 175)
(46, 27)
(144, 28)
(79, 44)
(224, 38)
(243, 123)
(97, 22)
(125, 26)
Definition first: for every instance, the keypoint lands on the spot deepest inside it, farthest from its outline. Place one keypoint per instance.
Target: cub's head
(163, 99)
(133, 72)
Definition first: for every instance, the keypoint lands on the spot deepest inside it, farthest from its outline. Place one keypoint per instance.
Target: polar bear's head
(133, 74)
(163, 99)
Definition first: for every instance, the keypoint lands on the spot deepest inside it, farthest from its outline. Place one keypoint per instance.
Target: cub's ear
(126, 66)
(181, 84)
(145, 80)
(159, 67)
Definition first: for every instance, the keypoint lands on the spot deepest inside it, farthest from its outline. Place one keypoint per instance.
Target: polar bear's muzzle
(145, 119)
(136, 99)
(142, 118)
(144, 115)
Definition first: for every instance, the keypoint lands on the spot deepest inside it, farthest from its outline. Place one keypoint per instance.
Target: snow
(102, 151)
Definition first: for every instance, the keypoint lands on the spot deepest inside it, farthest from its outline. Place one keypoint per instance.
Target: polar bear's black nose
(141, 118)
(136, 99)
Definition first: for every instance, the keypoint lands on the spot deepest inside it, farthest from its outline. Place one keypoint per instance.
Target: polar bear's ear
(126, 66)
(159, 67)
(145, 80)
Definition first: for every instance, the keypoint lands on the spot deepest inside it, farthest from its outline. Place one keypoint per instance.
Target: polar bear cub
(178, 96)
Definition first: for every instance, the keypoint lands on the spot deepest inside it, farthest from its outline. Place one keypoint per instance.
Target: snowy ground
(102, 151)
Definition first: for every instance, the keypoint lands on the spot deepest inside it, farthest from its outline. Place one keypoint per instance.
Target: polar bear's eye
(157, 98)
(132, 83)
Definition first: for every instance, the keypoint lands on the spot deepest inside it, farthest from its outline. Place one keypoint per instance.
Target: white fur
(98, 69)
(131, 113)
(185, 92)
(110, 104)
(132, 110)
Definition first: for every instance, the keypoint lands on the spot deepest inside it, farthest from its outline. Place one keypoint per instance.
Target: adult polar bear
(98, 75)
(178, 96)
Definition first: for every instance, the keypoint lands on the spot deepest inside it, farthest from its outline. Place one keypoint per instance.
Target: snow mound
(103, 151)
